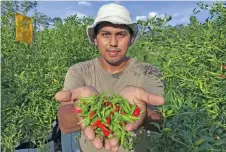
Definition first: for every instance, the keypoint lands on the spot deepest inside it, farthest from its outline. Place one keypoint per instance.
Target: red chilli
(76, 110)
(136, 112)
(92, 114)
(104, 129)
(108, 103)
(96, 123)
(109, 120)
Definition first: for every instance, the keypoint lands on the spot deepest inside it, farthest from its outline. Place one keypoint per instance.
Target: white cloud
(84, 3)
(142, 18)
(161, 16)
(116, 1)
(80, 15)
(152, 14)
(175, 15)
(69, 8)
(185, 19)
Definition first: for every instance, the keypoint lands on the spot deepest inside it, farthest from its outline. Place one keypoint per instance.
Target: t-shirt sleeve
(73, 78)
(153, 84)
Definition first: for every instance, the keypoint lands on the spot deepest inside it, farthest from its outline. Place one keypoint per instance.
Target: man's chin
(114, 62)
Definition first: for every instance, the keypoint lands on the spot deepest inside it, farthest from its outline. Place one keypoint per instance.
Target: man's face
(113, 42)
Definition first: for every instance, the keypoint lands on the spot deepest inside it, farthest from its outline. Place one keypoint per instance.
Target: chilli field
(192, 60)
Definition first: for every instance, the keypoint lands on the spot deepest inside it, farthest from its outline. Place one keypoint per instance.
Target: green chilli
(127, 118)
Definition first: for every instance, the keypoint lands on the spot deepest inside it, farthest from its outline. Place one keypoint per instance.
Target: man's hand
(67, 119)
(140, 97)
(67, 98)
(70, 96)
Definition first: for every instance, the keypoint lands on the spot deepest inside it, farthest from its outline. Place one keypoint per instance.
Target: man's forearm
(67, 119)
(152, 116)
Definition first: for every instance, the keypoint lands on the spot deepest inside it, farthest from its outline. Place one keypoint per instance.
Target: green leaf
(166, 130)
(220, 142)
(199, 142)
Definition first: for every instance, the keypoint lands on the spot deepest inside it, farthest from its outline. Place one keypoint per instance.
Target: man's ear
(95, 41)
(131, 40)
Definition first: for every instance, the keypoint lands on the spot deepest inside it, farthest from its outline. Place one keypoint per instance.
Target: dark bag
(54, 136)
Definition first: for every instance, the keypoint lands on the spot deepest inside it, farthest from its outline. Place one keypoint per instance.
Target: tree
(42, 21)
(56, 20)
(8, 9)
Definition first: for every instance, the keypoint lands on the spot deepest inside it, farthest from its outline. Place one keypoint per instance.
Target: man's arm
(67, 119)
(153, 84)
(152, 116)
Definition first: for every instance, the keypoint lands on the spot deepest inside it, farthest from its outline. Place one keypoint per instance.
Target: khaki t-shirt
(91, 73)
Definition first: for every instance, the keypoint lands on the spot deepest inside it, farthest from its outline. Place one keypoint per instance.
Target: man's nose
(113, 41)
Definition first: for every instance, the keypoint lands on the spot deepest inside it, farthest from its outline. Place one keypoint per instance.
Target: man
(113, 72)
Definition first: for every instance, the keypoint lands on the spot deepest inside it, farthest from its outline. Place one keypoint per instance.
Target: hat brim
(114, 20)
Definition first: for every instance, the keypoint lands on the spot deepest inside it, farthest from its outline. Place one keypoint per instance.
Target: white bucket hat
(115, 14)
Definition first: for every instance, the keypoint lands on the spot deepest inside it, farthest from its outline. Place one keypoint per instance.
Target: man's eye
(121, 35)
(105, 34)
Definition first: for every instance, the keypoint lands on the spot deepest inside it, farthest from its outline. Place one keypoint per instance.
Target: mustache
(113, 49)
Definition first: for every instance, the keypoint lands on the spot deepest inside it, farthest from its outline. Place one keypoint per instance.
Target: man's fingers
(137, 124)
(115, 149)
(107, 144)
(97, 143)
(114, 142)
(89, 132)
(84, 91)
(150, 98)
(63, 96)
(71, 95)
(131, 127)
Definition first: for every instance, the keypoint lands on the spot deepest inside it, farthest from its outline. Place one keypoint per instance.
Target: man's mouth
(113, 53)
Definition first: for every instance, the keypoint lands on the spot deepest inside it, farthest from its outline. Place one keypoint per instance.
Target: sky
(179, 10)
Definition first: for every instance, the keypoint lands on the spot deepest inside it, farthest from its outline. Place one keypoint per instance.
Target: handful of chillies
(108, 116)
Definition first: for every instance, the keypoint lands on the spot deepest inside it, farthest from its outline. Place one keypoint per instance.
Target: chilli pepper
(122, 124)
(108, 103)
(118, 132)
(134, 117)
(122, 137)
(85, 110)
(104, 129)
(125, 109)
(117, 108)
(136, 112)
(113, 126)
(96, 122)
(109, 120)
(123, 113)
(107, 112)
(92, 114)
(133, 107)
(112, 113)
(87, 121)
(127, 118)
(105, 124)
(76, 110)
(126, 104)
